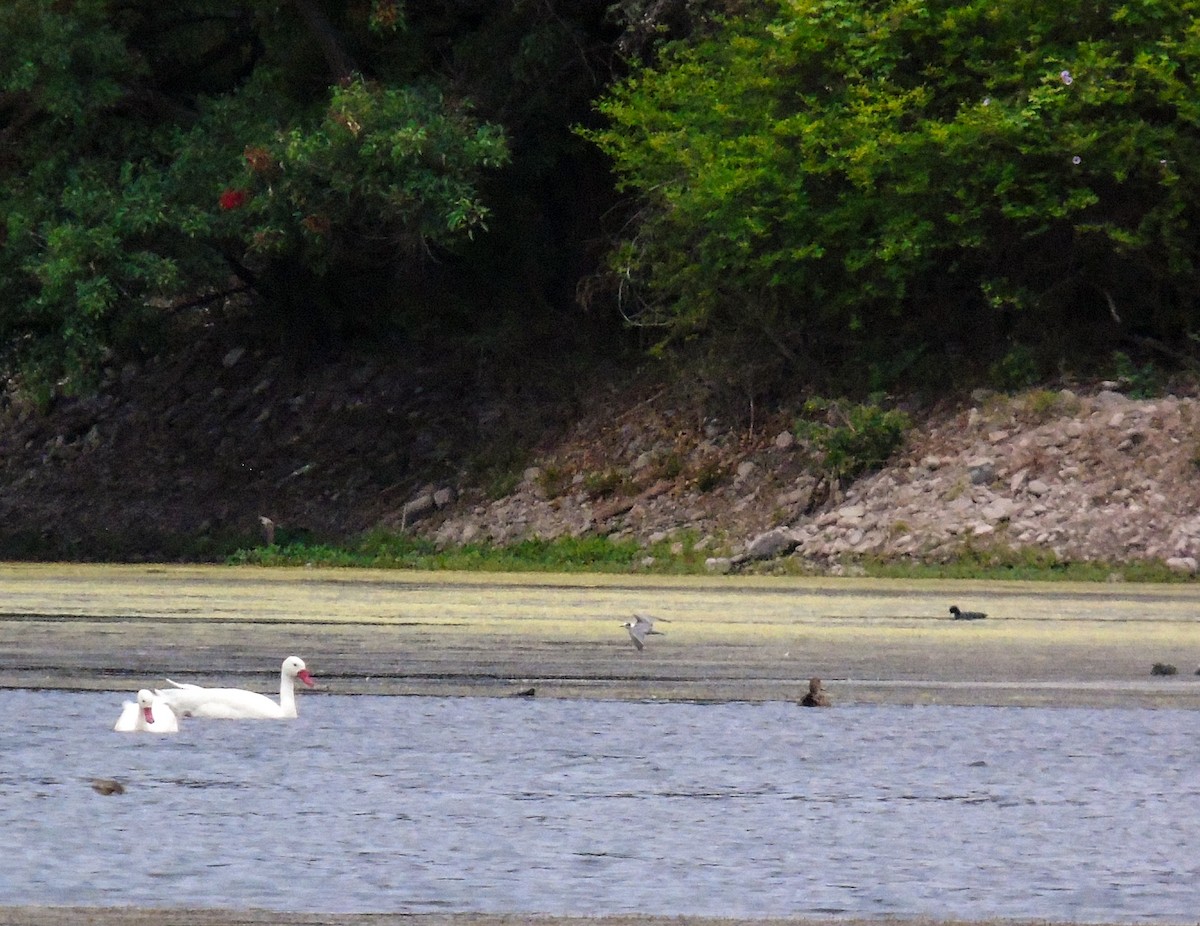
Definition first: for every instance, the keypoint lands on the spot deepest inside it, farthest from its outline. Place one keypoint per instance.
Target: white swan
(149, 714)
(237, 703)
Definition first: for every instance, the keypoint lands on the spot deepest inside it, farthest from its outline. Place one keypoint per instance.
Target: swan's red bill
(306, 678)
(148, 713)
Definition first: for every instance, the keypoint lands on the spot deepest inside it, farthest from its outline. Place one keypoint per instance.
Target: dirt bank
(180, 453)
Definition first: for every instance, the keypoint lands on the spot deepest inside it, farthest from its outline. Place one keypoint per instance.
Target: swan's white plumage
(236, 703)
(149, 714)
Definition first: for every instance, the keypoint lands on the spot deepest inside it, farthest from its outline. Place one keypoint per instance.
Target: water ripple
(584, 807)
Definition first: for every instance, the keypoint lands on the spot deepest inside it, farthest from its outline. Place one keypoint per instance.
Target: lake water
(370, 804)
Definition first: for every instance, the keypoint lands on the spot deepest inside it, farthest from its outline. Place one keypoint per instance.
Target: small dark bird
(107, 786)
(1163, 668)
(816, 696)
(525, 693)
(641, 627)
(966, 615)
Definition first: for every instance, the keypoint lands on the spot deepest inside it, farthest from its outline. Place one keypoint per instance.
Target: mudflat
(373, 632)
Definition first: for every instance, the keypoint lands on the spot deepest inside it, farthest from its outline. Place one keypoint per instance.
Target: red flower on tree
(233, 199)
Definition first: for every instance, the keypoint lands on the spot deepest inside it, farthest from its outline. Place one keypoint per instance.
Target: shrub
(1139, 381)
(851, 439)
(708, 475)
(554, 480)
(603, 483)
(1017, 369)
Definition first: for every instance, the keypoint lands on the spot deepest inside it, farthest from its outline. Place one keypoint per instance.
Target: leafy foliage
(849, 438)
(878, 190)
(75, 195)
(158, 149)
(1025, 564)
(375, 178)
(392, 551)
(841, 173)
(1139, 381)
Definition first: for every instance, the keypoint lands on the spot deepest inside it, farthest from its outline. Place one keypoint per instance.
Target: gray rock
(981, 471)
(797, 498)
(418, 508)
(999, 510)
(773, 543)
(851, 514)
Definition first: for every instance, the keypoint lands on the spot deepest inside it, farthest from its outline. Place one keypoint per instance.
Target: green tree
(147, 150)
(870, 180)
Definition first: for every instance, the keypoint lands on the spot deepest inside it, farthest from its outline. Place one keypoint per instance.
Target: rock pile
(199, 444)
(1103, 477)
(1099, 477)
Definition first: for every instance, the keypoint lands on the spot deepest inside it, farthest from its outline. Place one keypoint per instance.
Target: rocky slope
(1086, 476)
(183, 452)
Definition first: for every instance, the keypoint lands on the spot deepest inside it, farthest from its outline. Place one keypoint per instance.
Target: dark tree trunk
(341, 65)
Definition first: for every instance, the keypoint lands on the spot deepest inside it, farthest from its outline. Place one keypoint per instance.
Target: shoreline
(123, 916)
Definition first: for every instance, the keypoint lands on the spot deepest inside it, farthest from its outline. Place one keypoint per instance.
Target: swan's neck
(287, 694)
